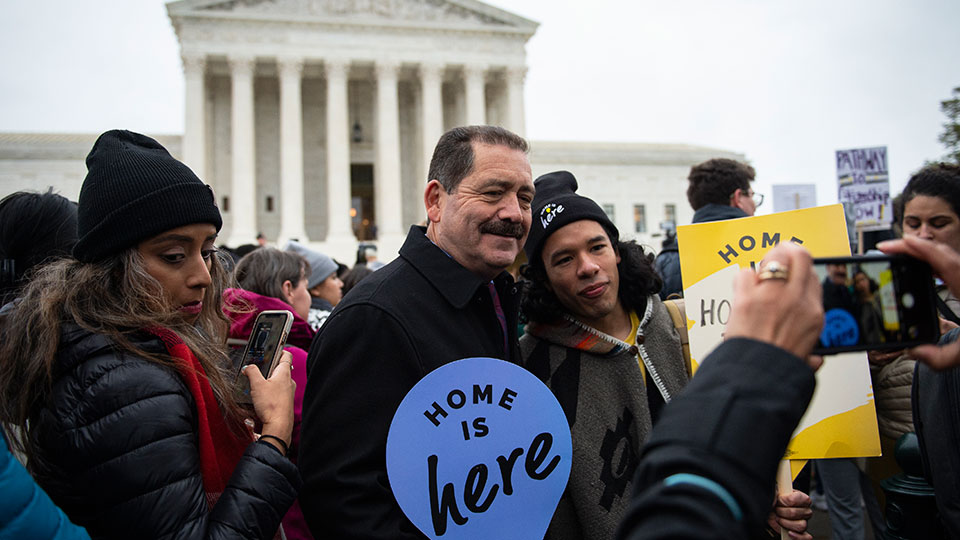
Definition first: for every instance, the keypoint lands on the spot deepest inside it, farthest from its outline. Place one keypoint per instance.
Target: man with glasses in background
(719, 189)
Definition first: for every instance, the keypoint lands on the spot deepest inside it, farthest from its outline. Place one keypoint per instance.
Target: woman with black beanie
(114, 371)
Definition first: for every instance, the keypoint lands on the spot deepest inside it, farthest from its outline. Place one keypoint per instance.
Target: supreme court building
(316, 119)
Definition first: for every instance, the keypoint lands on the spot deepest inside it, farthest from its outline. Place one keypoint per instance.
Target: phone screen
(263, 345)
(267, 338)
(875, 302)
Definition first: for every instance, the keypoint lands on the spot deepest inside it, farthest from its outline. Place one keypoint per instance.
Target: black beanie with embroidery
(134, 190)
(557, 204)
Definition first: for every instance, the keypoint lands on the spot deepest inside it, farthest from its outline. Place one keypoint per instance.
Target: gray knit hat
(134, 190)
(321, 266)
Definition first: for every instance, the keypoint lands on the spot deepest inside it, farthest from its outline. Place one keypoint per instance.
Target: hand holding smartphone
(264, 347)
(876, 302)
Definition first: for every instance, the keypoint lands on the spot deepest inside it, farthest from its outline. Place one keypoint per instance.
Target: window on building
(225, 204)
(670, 212)
(269, 203)
(639, 218)
(608, 210)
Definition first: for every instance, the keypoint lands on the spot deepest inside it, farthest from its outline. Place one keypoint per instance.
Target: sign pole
(784, 486)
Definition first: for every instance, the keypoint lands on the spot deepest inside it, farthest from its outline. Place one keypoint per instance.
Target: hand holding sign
(785, 312)
(479, 448)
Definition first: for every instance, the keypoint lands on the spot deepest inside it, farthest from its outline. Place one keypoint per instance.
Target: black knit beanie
(556, 204)
(134, 190)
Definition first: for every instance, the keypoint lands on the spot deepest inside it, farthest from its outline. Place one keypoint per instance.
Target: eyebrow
(590, 241)
(504, 184)
(935, 216)
(173, 237)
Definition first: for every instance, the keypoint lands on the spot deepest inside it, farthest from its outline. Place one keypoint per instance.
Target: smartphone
(264, 347)
(876, 302)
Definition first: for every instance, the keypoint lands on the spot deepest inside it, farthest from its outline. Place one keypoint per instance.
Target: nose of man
(587, 267)
(511, 210)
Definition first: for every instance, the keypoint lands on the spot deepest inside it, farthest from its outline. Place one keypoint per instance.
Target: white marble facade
(285, 99)
(293, 106)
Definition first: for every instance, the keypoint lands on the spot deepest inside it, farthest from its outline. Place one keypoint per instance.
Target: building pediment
(456, 13)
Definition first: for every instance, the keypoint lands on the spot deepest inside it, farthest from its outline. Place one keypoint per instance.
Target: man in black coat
(719, 189)
(446, 297)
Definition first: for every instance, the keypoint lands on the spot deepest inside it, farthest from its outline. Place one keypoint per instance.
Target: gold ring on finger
(773, 270)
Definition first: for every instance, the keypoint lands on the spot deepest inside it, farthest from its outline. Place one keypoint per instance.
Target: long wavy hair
(115, 297)
(638, 280)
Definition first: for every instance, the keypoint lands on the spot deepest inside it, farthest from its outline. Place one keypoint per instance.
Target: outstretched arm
(708, 469)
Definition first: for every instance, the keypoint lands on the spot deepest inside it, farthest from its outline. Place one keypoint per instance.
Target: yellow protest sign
(841, 419)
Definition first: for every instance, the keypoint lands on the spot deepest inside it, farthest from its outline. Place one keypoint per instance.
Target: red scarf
(220, 447)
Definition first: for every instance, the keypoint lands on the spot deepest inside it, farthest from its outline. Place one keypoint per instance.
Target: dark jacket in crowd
(708, 470)
(120, 435)
(25, 510)
(668, 261)
(936, 418)
(419, 312)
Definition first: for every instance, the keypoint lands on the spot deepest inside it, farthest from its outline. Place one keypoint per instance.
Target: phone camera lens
(907, 300)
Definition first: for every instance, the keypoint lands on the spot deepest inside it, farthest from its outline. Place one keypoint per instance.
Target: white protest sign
(863, 181)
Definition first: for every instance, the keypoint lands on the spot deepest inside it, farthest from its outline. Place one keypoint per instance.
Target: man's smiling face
(484, 222)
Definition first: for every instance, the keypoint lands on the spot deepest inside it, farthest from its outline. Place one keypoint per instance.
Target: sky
(786, 83)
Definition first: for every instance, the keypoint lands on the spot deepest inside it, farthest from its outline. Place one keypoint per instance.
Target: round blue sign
(479, 448)
(839, 329)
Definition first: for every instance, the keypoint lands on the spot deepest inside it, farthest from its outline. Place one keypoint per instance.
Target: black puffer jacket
(120, 435)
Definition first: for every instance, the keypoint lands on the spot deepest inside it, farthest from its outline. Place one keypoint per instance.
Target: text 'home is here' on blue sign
(479, 448)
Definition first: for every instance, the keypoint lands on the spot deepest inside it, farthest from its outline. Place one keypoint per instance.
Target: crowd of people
(118, 392)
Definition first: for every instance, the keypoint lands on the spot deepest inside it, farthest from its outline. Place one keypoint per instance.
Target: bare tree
(950, 137)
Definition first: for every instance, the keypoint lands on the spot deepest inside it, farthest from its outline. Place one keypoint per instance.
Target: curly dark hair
(941, 180)
(638, 280)
(715, 180)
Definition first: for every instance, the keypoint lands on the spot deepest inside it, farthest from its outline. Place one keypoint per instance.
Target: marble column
(340, 237)
(474, 82)
(195, 128)
(431, 109)
(292, 225)
(515, 112)
(387, 190)
(243, 193)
